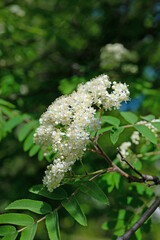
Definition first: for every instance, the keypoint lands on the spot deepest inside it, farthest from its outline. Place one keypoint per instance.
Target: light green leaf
(52, 225)
(34, 150)
(146, 132)
(5, 103)
(112, 120)
(24, 131)
(92, 189)
(57, 194)
(156, 125)
(114, 135)
(40, 155)
(29, 232)
(28, 142)
(13, 122)
(16, 219)
(7, 229)
(105, 129)
(148, 117)
(129, 117)
(72, 206)
(10, 236)
(31, 205)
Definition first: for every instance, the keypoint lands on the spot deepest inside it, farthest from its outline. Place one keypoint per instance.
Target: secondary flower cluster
(135, 138)
(113, 55)
(65, 124)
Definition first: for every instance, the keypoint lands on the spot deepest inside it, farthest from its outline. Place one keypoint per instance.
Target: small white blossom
(135, 137)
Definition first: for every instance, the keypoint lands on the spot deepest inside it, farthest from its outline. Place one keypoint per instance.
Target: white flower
(135, 137)
(65, 124)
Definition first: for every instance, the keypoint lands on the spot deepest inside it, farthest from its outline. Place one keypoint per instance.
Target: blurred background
(46, 49)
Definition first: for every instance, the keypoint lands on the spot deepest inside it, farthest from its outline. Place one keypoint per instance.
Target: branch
(141, 220)
(144, 178)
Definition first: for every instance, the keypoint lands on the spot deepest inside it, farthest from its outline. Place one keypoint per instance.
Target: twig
(141, 220)
(74, 193)
(125, 160)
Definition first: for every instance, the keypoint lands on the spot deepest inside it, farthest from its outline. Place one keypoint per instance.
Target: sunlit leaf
(146, 132)
(16, 219)
(111, 120)
(7, 229)
(29, 232)
(31, 205)
(129, 117)
(52, 225)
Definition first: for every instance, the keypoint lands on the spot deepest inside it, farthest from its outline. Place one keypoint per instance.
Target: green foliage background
(46, 49)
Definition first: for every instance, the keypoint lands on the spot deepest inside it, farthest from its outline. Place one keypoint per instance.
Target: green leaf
(16, 219)
(7, 111)
(72, 206)
(7, 229)
(57, 194)
(92, 189)
(105, 129)
(129, 117)
(114, 135)
(40, 155)
(52, 225)
(146, 132)
(10, 236)
(28, 142)
(13, 122)
(24, 131)
(156, 125)
(34, 150)
(5, 103)
(31, 205)
(148, 117)
(29, 232)
(112, 120)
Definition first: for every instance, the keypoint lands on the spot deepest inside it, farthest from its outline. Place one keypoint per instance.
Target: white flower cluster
(65, 124)
(112, 55)
(135, 137)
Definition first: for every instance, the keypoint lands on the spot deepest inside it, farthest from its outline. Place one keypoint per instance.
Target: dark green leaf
(16, 219)
(148, 117)
(156, 125)
(52, 225)
(7, 229)
(114, 135)
(24, 131)
(13, 122)
(129, 117)
(28, 142)
(5, 103)
(72, 206)
(31, 205)
(146, 132)
(29, 232)
(57, 194)
(94, 191)
(112, 120)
